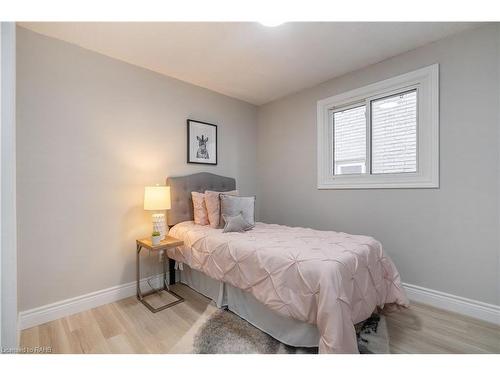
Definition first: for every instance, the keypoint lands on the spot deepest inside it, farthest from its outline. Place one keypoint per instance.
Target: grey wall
(91, 133)
(444, 239)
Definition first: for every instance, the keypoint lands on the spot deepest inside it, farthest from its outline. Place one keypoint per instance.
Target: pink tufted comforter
(330, 279)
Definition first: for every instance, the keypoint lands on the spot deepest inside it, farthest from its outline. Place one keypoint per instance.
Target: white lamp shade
(157, 198)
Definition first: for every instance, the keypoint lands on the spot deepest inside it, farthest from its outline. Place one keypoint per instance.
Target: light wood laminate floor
(127, 326)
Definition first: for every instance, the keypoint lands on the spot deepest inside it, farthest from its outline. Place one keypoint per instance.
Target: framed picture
(201, 142)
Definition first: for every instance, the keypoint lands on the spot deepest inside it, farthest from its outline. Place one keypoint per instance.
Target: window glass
(394, 133)
(349, 134)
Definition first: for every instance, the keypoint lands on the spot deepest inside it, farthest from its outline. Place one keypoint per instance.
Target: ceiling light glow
(271, 23)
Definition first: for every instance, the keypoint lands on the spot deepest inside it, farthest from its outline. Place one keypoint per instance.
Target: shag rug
(223, 332)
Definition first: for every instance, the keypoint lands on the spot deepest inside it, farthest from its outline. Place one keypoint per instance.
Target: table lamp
(157, 198)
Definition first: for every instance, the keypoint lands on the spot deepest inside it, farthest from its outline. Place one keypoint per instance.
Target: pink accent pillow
(200, 208)
(212, 201)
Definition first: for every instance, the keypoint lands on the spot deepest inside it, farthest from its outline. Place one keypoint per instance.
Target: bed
(302, 286)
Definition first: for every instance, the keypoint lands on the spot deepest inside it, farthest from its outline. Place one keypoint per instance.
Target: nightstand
(165, 244)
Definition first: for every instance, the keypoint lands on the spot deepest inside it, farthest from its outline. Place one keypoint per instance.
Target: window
(384, 135)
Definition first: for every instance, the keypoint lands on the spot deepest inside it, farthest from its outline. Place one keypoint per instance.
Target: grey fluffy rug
(227, 333)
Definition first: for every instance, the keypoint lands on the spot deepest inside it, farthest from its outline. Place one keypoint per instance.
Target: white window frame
(426, 82)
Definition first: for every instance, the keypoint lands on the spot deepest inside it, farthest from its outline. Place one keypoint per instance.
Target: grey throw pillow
(236, 224)
(232, 206)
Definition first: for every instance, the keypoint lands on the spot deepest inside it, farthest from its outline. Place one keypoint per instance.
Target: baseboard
(53, 311)
(450, 302)
(60, 309)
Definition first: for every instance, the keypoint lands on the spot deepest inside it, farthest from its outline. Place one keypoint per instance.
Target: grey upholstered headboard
(181, 188)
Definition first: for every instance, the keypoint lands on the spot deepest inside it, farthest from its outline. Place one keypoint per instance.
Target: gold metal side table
(146, 243)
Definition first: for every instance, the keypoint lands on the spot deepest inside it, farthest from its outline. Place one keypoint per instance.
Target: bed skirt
(289, 331)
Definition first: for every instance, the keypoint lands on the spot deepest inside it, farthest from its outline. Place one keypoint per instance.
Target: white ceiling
(247, 60)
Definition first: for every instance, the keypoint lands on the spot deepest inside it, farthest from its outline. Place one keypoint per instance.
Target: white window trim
(426, 80)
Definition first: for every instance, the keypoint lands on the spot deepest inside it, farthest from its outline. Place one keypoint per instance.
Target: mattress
(330, 279)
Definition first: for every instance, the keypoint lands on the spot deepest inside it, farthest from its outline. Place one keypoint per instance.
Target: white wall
(92, 132)
(8, 244)
(444, 239)
(498, 166)
(1, 321)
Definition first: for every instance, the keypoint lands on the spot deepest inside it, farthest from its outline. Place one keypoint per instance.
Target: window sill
(413, 181)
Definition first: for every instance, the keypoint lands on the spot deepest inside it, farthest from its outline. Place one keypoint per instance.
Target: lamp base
(160, 225)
